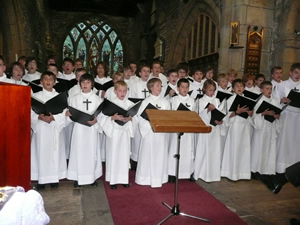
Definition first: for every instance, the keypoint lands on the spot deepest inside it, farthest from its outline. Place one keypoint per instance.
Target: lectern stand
(177, 122)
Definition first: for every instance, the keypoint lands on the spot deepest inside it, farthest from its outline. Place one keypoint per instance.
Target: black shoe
(54, 185)
(113, 187)
(40, 187)
(76, 185)
(192, 179)
(133, 166)
(294, 221)
(172, 179)
(95, 184)
(126, 185)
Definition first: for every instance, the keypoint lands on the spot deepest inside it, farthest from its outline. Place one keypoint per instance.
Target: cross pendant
(145, 91)
(87, 104)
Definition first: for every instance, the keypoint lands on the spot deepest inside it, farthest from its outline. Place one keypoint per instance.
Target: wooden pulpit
(170, 121)
(15, 106)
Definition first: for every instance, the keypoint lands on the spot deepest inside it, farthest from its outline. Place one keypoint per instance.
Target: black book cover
(266, 105)
(252, 95)
(35, 85)
(104, 86)
(242, 101)
(67, 84)
(135, 100)
(183, 107)
(82, 117)
(144, 113)
(168, 91)
(294, 96)
(199, 96)
(223, 95)
(216, 115)
(54, 106)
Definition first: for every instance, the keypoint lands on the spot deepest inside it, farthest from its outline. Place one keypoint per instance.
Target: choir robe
(173, 87)
(253, 89)
(196, 88)
(152, 167)
(64, 76)
(288, 140)
(101, 137)
(118, 146)
(85, 163)
(208, 146)
(137, 90)
(4, 79)
(163, 79)
(48, 162)
(274, 83)
(31, 77)
(236, 155)
(263, 143)
(187, 145)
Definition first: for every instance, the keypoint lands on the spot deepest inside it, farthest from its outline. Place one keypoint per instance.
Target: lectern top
(171, 121)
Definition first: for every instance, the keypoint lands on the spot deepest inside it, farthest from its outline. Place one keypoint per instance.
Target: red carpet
(142, 205)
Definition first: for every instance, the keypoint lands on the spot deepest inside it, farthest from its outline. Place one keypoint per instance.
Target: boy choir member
(276, 74)
(17, 72)
(3, 77)
(197, 85)
(110, 92)
(171, 89)
(156, 66)
(32, 74)
(232, 75)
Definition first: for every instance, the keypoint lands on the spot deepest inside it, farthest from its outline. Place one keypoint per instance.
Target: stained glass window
(92, 41)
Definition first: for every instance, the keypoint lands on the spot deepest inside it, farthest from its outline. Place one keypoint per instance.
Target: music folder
(55, 105)
(183, 107)
(242, 101)
(144, 113)
(221, 95)
(215, 115)
(168, 91)
(266, 105)
(104, 86)
(294, 96)
(252, 95)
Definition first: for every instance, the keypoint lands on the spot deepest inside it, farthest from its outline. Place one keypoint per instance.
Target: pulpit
(15, 106)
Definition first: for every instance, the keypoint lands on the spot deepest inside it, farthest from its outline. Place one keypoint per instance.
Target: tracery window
(94, 41)
(202, 39)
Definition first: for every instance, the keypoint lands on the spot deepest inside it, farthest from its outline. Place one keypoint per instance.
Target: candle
(16, 57)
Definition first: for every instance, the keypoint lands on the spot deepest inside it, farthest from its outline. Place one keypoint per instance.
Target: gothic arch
(186, 20)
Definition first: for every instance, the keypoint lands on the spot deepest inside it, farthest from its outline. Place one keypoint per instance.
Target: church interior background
(199, 32)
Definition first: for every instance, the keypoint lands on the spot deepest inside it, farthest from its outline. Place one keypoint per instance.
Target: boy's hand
(117, 117)
(243, 109)
(42, 117)
(276, 116)
(250, 113)
(102, 94)
(218, 122)
(68, 113)
(210, 107)
(268, 112)
(171, 93)
(126, 119)
(92, 122)
(284, 100)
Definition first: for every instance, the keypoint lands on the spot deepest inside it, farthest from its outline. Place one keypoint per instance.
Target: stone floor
(251, 200)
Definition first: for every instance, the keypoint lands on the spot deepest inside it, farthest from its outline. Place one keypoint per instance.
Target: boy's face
(53, 69)
(209, 75)
(198, 75)
(295, 75)
(267, 91)
(51, 61)
(79, 74)
(17, 72)
(181, 73)
(238, 88)
(117, 78)
(127, 74)
(183, 89)
(259, 81)
(86, 86)
(231, 77)
(68, 67)
(100, 71)
(78, 65)
(173, 78)
(210, 90)
(121, 92)
(48, 82)
(277, 75)
(2, 67)
(156, 89)
(22, 61)
(156, 69)
(223, 83)
(32, 66)
(249, 83)
(145, 72)
(132, 67)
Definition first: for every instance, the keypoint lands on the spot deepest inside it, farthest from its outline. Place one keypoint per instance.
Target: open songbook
(221, 95)
(215, 115)
(35, 85)
(144, 113)
(54, 106)
(82, 117)
(294, 96)
(267, 106)
(110, 109)
(104, 86)
(242, 101)
(168, 91)
(252, 95)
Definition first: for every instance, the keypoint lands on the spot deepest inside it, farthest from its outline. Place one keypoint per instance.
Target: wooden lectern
(179, 122)
(15, 106)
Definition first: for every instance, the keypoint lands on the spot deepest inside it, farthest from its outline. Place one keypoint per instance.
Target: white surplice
(85, 163)
(187, 145)
(32, 76)
(48, 162)
(152, 168)
(263, 143)
(208, 146)
(118, 145)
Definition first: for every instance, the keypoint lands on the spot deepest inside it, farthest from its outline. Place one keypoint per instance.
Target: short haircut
(78, 60)
(120, 83)
(48, 73)
(265, 83)
(132, 62)
(52, 65)
(208, 83)
(117, 74)
(88, 77)
(22, 57)
(30, 59)
(80, 70)
(183, 81)
(105, 67)
(50, 57)
(260, 75)
(171, 71)
(182, 67)
(126, 68)
(142, 66)
(295, 66)
(237, 81)
(232, 71)
(275, 68)
(20, 65)
(196, 69)
(222, 76)
(2, 59)
(209, 68)
(151, 83)
(67, 59)
(248, 76)
(156, 62)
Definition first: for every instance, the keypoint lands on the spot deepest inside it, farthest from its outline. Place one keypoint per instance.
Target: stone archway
(185, 21)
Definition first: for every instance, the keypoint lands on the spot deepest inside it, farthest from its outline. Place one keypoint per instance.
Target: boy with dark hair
(32, 74)
(3, 77)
